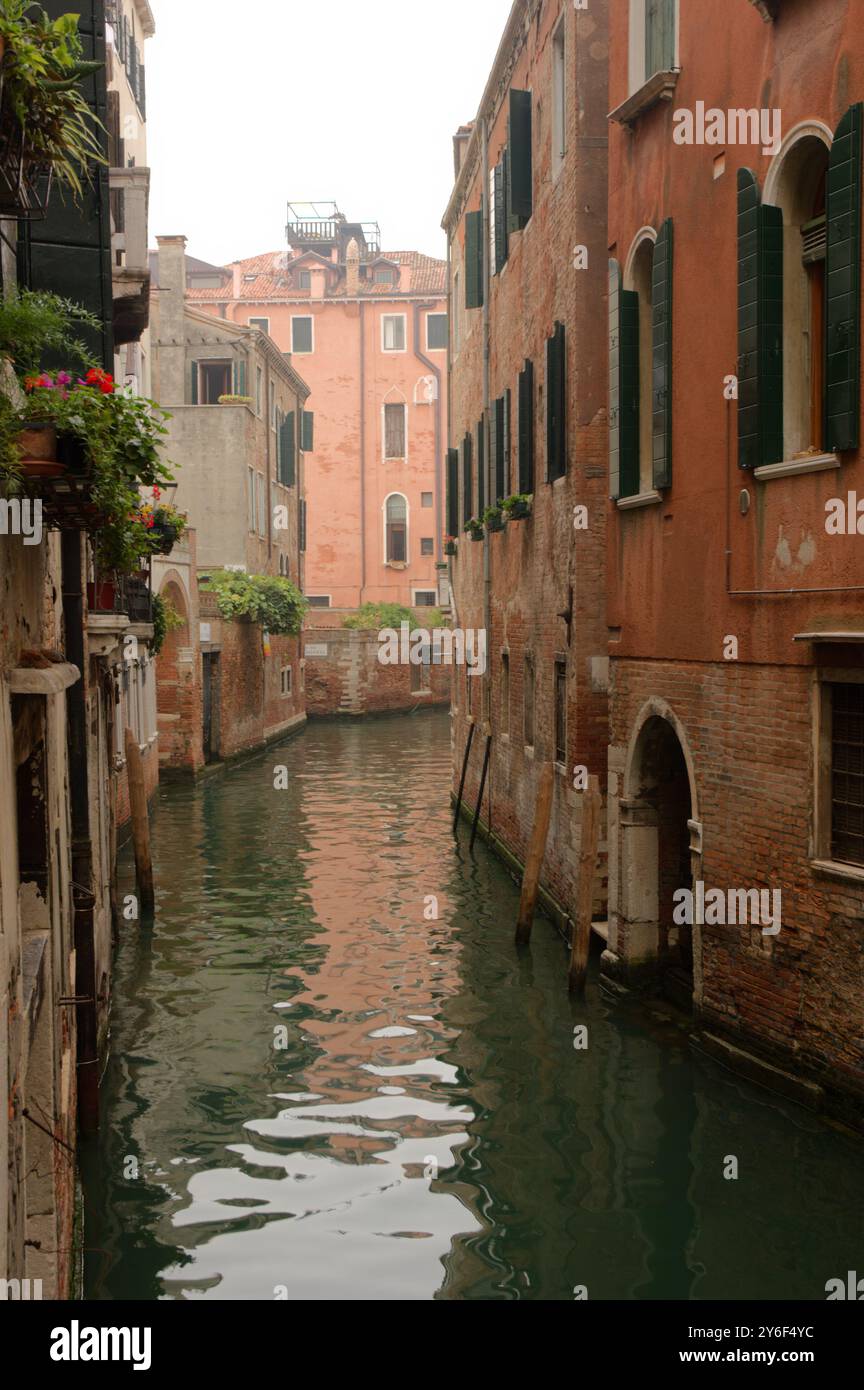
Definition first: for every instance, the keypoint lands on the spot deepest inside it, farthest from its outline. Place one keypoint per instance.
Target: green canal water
(317, 1091)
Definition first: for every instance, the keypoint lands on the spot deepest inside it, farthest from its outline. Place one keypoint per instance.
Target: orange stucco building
(368, 331)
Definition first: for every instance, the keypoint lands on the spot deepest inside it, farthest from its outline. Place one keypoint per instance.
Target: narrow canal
(318, 1092)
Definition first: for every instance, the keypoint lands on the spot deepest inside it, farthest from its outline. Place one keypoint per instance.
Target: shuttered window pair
(625, 375)
(499, 446)
(512, 180)
(760, 307)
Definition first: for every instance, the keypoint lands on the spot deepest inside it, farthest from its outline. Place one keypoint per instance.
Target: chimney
(352, 267)
(170, 349)
(235, 290)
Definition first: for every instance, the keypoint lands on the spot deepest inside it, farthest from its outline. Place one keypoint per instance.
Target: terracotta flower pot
(38, 441)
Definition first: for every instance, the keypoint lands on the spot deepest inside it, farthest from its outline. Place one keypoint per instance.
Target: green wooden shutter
(508, 442)
(239, 376)
(659, 36)
(308, 431)
(302, 524)
(481, 466)
(760, 327)
(500, 186)
(473, 260)
(520, 170)
(525, 396)
(500, 447)
(68, 251)
(452, 492)
(289, 449)
(843, 285)
(614, 379)
(630, 391)
(556, 405)
(467, 479)
(193, 383)
(661, 357)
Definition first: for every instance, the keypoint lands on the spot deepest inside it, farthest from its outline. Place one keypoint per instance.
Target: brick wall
(350, 679)
(794, 997)
(543, 567)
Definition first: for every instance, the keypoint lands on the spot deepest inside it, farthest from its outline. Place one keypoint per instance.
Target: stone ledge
(49, 680)
(660, 87)
(639, 499)
(763, 1073)
(791, 468)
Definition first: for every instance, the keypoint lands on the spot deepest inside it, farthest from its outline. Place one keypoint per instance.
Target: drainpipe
(362, 451)
(436, 372)
(82, 853)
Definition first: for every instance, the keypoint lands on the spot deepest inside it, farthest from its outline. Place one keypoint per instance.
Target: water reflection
(330, 1096)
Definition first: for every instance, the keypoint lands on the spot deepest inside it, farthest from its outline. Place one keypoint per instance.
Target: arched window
(798, 188)
(639, 278)
(396, 529)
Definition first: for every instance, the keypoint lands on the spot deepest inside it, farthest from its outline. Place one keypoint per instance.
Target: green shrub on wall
(276, 604)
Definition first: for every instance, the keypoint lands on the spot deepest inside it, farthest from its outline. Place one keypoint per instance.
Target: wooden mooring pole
(535, 855)
(140, 824)
(481, 791)
(592, 804)
(471, 729)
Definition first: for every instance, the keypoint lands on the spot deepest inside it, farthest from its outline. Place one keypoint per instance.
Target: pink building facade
(368, 332)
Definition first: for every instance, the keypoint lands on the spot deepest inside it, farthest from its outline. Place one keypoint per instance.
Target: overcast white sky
(252, 104)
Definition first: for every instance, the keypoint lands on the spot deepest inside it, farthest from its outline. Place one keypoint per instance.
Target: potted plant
(474, 529)
(163, 523)
(234, 400)
(494, 518)
(47, 129)
(117, 438)
(449, 545)
(518, 507)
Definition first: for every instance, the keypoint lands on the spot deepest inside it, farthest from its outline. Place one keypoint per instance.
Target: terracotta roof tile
(428, 276)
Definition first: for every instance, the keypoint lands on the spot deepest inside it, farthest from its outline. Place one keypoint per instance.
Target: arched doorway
(660, 853)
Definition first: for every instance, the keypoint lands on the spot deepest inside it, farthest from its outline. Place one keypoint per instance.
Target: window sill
(790, 468)
(640, 499)
(660, 87)
(842, 873)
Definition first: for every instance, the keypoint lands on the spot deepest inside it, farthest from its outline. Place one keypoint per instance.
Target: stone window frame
(821, 861)
(404, 347)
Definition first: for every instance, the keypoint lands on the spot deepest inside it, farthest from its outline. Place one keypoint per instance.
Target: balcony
(130, 268)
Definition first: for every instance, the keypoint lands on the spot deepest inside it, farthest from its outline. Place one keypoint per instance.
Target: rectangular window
(505, 693)
(561, 713)
(259, 390)
(394, 431)
(473, 260)
(426, 499)
(519, 162)
(467, 479)
(263, 325)
(304, 280)
(318, 600)
(425, 598)
(286, 678)
(393, 333)
(847, 772)
(302, 337)
(427, 545)
(215, 379)
(452, 492)
(436, 332)
(383, 276)
(307, 435)
(528, 701)
(273, 421)
(250, 479)
(559, 101)
(262, 520)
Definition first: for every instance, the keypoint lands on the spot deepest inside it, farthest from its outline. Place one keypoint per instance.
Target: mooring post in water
(140, 824)
(535, 855)
(471, 728)
(482, 789)
(592, 804)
